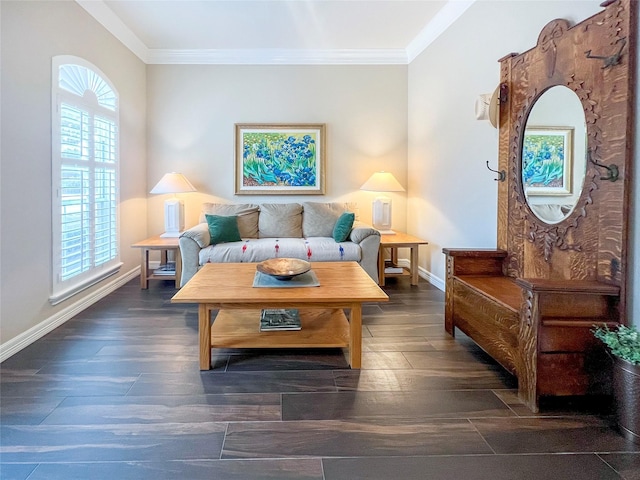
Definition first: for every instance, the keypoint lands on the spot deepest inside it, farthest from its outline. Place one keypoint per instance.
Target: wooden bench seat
(500, 289)
(539, 330)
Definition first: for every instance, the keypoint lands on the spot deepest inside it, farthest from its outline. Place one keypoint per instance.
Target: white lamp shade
(173, 183)
(381, 213)
(382, 182)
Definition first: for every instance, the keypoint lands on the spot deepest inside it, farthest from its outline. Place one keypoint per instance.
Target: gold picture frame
(280, 159)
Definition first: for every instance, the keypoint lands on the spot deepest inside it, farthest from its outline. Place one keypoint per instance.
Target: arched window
(85, 159)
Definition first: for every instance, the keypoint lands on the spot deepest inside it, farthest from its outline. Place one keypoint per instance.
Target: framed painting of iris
(280, 159)
(546, 160)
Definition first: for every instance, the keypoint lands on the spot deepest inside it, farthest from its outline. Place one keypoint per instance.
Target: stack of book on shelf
(389, 268)
(273, 319)
(168, 268)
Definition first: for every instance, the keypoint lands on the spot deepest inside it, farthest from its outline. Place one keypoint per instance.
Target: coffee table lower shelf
(321, 328)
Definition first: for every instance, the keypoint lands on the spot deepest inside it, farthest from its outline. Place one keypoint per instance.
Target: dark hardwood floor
(115, 393)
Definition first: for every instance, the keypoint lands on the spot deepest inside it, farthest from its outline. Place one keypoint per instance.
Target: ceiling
(276, 31)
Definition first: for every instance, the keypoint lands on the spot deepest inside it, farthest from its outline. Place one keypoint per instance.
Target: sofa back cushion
(280, 220)
(319, 219)
(247, 216)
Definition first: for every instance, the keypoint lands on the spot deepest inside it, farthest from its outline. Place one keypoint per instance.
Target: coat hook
(611, 60)
(502, 175)
(612, 170)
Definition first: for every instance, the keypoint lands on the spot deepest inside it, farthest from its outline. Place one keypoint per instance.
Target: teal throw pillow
(223, 229)
(343, 226)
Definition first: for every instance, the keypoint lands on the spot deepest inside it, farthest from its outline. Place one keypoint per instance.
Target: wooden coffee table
(228, 288)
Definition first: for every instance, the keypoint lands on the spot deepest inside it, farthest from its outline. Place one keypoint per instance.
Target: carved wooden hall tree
(533, 301)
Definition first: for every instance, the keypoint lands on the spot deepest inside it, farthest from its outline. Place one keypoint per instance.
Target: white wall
(452, 196)
(192, 111)
(31, 34)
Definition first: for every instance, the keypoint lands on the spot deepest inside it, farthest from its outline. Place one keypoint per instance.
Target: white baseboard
(431, 278)
(425, 274)
(36, 332)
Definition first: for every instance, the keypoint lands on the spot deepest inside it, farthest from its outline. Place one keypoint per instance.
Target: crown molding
(109, 20)
(265, 56)
(442, 20)
(451, 11)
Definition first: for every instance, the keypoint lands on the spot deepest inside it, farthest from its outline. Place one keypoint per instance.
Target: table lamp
(382, 182)
(173, 207)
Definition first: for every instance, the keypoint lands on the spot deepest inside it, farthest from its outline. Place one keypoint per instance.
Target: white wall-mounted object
(488, 107)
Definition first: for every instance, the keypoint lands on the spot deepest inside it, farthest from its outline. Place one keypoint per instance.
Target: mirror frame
(551, 235)
(596, 60)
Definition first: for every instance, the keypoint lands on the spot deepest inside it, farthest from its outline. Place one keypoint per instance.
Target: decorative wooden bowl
(284, 268)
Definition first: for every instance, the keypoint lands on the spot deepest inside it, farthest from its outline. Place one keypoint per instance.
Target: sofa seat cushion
(326, 249)
(316, 249)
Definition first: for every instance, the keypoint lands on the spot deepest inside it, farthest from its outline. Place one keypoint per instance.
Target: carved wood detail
(528, 351)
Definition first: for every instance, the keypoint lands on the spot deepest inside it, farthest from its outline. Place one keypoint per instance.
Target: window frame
(88, 102)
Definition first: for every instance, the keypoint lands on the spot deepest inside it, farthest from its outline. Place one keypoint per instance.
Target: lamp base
(173, 218)
(387, 232)
(381, 214)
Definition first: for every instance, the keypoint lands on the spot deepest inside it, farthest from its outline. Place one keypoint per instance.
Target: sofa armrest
(361, 231)
(369, 240)
(191, 242)
(199, 234)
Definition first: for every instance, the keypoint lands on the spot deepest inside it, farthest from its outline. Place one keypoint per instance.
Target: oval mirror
(554, 154)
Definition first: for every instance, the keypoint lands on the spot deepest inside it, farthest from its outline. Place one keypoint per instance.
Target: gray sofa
(270, 230)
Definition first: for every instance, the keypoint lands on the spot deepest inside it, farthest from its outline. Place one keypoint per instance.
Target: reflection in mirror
(554, 154)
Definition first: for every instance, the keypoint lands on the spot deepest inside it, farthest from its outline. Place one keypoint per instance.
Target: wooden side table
(393, 242)
(164, 245)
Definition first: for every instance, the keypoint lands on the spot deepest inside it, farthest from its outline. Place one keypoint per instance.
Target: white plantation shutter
(85, 177)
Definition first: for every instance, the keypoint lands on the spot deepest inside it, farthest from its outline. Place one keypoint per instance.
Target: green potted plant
(624, 345)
